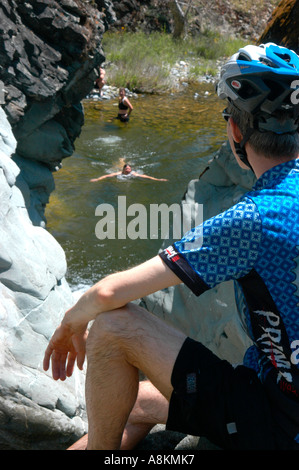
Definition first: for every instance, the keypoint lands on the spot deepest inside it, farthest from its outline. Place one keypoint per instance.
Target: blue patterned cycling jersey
(256, 244)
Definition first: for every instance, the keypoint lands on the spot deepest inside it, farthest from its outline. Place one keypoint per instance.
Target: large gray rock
(35, 411)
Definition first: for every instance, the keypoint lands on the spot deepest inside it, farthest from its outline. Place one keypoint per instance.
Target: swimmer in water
(127, 170)
(124, 106)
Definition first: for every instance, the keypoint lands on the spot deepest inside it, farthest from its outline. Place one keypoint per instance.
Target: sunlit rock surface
(35, 412)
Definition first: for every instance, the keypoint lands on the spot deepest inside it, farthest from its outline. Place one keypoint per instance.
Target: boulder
(35, 412)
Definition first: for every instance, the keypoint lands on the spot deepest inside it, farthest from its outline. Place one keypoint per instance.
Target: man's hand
(116, 290)
(64, 348)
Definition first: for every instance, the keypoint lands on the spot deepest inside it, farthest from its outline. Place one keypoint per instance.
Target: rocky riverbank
(180, 75)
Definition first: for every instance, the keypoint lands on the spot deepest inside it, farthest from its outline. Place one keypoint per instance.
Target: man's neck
(261, 164)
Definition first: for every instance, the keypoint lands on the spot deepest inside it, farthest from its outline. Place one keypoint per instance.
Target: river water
(169, 136)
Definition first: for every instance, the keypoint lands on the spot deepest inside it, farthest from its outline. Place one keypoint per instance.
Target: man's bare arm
(67, 344)
(116, 290)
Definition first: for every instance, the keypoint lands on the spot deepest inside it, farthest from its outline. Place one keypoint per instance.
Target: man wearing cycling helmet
(255, 243)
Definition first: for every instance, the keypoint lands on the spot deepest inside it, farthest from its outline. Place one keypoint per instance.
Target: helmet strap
(240, 148)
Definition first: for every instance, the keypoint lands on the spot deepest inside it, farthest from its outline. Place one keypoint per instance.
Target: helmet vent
(284, 57)
(247, 91)
(275, 88)
(243, 56)
(268, 62)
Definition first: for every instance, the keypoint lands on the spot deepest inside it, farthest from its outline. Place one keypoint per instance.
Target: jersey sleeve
(223, 248)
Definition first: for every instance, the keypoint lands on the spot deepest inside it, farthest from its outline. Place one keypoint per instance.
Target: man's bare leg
(81, 444)
(119, 344)
(150, 408)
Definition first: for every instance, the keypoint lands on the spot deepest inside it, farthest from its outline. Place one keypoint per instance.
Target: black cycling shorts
(213, 399)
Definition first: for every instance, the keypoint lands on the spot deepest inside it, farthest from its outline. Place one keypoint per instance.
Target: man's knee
(111, 329)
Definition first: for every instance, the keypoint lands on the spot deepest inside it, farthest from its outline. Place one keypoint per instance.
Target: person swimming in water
(127, 170)
(124, 106)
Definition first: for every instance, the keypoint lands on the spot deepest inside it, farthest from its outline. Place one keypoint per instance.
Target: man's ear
(236, 133)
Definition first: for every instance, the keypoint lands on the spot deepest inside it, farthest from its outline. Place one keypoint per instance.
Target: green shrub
(143, 61)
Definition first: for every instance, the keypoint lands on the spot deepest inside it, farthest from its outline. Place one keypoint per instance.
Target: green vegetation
(142, 62)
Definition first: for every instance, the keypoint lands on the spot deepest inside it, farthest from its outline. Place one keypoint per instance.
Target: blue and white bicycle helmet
(262, 81)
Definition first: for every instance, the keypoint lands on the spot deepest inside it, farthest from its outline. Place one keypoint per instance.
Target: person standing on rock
(100, 81)
(124, 106)
(254, 405)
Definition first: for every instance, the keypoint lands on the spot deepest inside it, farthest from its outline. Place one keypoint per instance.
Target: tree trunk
(179, 18)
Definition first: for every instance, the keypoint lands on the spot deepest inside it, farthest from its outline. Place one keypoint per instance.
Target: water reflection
(167, 137)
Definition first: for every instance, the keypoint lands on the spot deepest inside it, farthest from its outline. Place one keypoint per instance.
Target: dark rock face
(283, 27)
(43, 47)
(148, 15)
(50, 53)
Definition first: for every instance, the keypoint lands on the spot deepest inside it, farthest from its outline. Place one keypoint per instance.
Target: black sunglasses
(225, 114)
